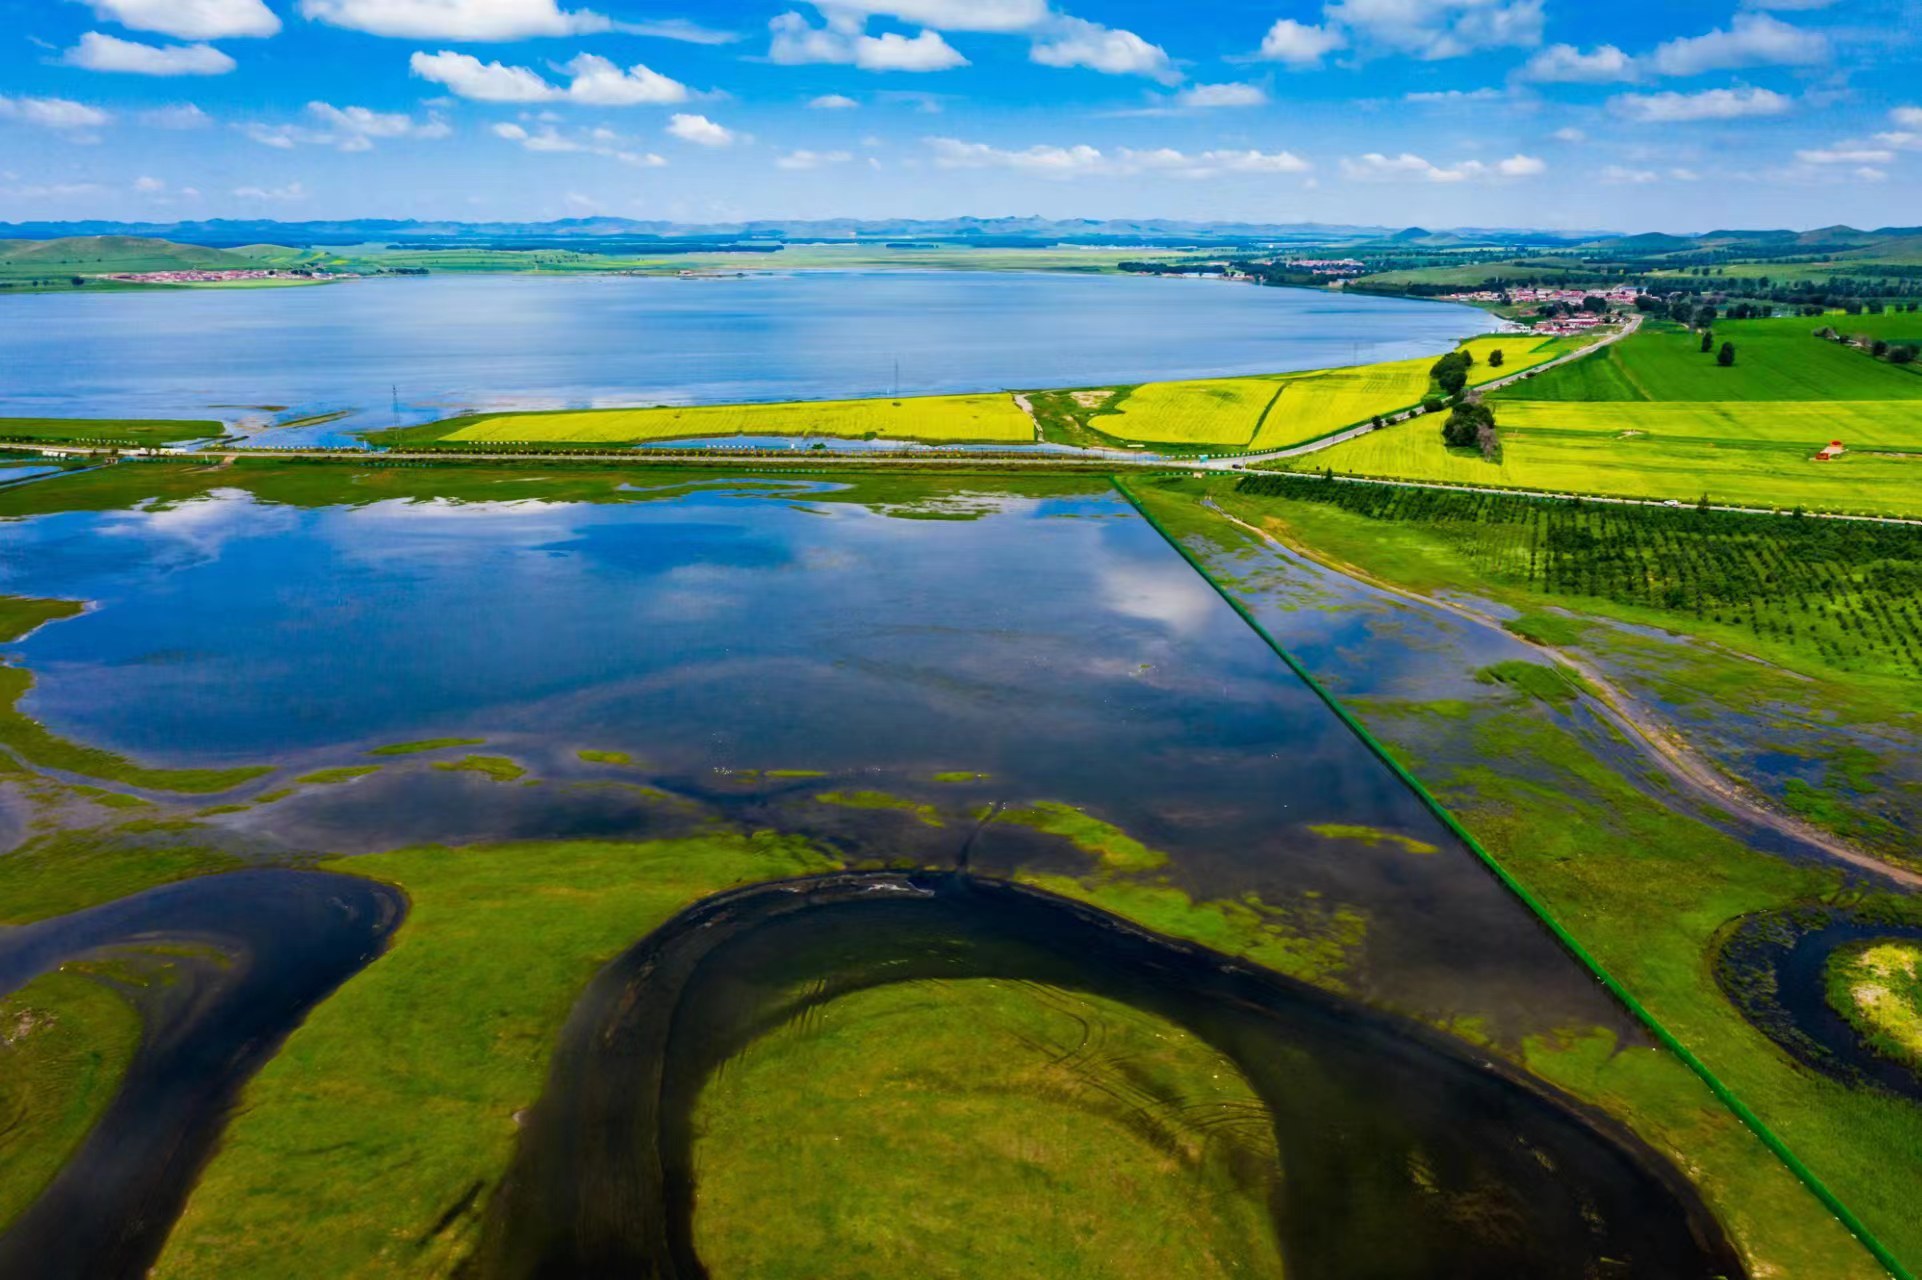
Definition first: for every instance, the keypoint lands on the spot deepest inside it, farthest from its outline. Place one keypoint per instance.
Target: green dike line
(1722, 1092)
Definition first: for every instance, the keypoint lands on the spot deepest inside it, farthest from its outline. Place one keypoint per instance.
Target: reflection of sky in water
(1059, 645)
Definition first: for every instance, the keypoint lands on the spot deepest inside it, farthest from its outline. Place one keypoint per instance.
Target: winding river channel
(248, 955)
(605, 1181)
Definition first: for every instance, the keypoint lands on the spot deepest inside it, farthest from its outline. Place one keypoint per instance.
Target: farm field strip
(1868, 424)
(1776, 360)
(1728, 473)
(1223, 411)
(994, 418)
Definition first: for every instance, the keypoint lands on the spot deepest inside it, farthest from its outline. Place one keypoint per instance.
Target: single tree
(1496, 359)
(1726, 356)
(1466, 423)
(1708, 340)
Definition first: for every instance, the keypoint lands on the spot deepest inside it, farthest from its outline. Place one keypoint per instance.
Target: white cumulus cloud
(344, 128)
(1088, 161)
(1565, 64)
(1408, 167)
(1076, 42)
(594, 81)
(1844, 153)
(179, 115)
(1752, 40)
(292, 191)
(701, 131)
(484, 20)
(1436, 29)
(1711, 104)
(98, 52)
(598, 82)
(833, 102)
(844, 41)
(1000, 16)
(1300, 44)
(597, 142)
(190, 19)
(1222, 95)
(53, 113)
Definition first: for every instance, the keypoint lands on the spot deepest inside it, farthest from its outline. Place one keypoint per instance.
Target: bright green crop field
(1730, 472)
(988, 418)
(1804, 425)
(1774, 360)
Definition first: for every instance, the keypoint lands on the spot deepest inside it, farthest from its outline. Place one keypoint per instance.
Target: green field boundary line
(1667, 1038)
(1262, 421)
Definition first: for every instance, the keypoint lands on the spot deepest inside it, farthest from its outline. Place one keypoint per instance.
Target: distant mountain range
(227, 233)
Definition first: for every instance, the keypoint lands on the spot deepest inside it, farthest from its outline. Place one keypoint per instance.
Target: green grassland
(65, 1042)
(909, 1092)
(1803, 425)
(983, 418)
(1644, 887)
(130, 431)
(1655, 417)
(357, 1147)
(1877, 986)
(798, 257)
(1775, 360)
(1769, 476)
(26, 261)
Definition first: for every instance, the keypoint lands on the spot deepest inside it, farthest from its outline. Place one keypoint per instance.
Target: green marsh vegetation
(1114, 848)
(594, 756)
(426, 745)
(926, 813)
(1647, 888)
(1077, 1104)
(408, 1081)
(65, 1041)
(137, 432)
(498, 768)
(1877, 986)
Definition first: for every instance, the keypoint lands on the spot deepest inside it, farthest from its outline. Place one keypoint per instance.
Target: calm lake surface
(1055, 644)
(448, 344)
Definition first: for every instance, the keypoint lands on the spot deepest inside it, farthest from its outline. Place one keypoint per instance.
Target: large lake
(447, 344)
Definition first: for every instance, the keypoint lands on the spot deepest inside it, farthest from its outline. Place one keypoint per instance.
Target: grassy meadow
(1877, 986)
(1077, 1103)
(128, 431)
(357, 1147)
(65, 1042)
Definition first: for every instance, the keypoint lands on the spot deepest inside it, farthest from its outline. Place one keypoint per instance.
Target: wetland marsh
(652, 691)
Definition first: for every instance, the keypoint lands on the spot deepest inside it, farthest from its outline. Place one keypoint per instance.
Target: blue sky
(1634, 114)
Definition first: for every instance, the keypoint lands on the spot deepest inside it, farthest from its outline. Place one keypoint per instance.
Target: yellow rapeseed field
(984, 418)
